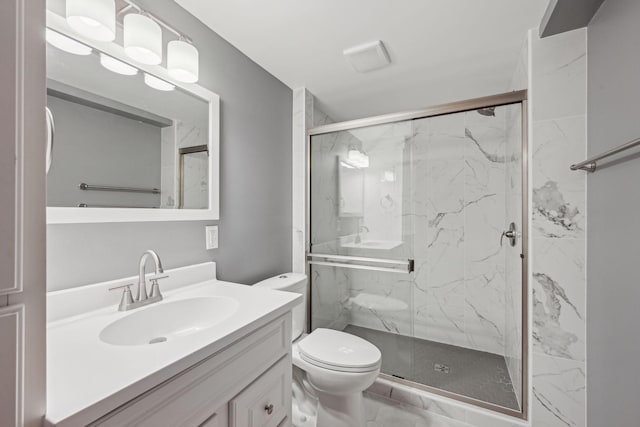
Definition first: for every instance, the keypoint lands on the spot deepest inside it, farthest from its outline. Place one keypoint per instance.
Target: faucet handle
(155, 288)
(127, 297)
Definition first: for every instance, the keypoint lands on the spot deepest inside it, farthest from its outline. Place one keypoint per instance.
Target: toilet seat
(339, 351)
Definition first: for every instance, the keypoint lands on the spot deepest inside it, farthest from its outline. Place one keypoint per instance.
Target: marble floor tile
(384, 413)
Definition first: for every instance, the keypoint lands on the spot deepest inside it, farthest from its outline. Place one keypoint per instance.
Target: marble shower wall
(330, 290)
(180, 135)
(558, 286)
(459, 197)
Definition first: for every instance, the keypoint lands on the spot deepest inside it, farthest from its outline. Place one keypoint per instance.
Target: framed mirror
(131, 143)
(351, 190)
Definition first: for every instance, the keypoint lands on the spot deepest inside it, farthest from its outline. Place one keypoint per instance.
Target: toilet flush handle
(269, 408)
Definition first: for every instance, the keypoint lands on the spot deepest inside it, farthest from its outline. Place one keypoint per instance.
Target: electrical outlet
(211, 236)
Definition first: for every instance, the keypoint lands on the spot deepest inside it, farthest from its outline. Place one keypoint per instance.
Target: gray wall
(101, 148)
(255, 199)
(613, 292)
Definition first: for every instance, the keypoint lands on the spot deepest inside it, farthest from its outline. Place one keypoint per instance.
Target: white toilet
(338, 366)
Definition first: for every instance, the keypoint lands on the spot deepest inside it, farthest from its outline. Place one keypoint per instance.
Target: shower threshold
(476, 374)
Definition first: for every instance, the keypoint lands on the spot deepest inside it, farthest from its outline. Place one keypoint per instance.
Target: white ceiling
(442, 50)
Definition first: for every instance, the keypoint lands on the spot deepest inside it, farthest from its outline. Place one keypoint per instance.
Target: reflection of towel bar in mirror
(88, 187)
(87, 205)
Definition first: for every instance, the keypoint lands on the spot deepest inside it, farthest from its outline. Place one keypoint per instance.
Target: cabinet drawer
(266, 402)
(190, 398)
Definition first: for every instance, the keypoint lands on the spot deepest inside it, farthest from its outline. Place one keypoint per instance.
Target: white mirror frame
(73, 215)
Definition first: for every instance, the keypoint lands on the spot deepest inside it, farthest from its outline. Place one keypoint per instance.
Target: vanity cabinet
(247, 384)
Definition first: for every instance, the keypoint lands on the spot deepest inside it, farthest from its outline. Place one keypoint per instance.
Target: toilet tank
(291, 282)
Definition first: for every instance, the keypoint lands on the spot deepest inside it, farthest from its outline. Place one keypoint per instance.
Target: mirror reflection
(123, 138)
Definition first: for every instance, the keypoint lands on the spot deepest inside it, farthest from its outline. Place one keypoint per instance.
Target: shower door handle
(510, 234)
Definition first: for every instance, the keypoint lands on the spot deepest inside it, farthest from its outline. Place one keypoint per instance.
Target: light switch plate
(211, 236)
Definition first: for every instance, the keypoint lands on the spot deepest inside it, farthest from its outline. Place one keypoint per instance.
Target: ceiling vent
(367, 57)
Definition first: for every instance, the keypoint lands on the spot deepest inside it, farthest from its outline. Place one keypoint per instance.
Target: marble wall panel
(559, 392)
(558, 246)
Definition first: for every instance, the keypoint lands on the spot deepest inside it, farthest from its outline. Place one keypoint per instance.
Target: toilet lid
(339, 351)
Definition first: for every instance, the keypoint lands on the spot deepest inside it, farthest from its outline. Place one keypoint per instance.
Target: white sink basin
(168, 321)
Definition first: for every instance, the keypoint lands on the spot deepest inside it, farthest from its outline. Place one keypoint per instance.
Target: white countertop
(87, 378)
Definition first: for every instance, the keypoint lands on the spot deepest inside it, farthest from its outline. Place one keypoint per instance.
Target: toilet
(337, 365)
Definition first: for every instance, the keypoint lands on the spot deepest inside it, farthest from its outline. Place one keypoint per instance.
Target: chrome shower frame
(516, 97)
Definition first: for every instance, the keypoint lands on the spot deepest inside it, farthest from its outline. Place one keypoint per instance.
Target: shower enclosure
(418, 238)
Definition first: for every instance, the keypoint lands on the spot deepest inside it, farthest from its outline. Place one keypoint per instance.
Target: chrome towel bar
(353, 262)
(88, 205)
(84, 186)
(590, 164)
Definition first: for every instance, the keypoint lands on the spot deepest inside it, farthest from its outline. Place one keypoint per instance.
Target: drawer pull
(269, 408)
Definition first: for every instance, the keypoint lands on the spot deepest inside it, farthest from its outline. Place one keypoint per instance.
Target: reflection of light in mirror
(358, 158)
(67, 44)
(157, 83)
(182, 61)
(117, 66)
(95, 19)
(142, 39)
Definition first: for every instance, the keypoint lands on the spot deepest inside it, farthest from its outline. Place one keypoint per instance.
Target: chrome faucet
(142, 298)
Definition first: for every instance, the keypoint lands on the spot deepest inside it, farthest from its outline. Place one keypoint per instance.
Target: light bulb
(142, 39)
(67, 44)
(95, 19)
(156, 83)
(182, 61)
(117, 66)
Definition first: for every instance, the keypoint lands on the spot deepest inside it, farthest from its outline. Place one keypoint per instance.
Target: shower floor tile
(472, 373)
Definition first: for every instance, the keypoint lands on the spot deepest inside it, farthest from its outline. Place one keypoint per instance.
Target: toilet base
(340, 410)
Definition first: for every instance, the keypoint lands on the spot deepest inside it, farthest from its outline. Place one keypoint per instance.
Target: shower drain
(438, 367)
(157, 340)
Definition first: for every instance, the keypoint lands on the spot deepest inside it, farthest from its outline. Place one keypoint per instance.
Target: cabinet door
(11, 332)
(267, 401)
(9, 143)
(22, 213)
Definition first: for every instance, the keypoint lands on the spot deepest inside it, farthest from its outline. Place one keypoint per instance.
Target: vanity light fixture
(142, 39)
(117, 66)
(182, 61)
(67, 44)
(156, 83)
(95, 19)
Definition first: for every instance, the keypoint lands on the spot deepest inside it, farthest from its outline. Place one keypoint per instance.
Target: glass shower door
(411, 248)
